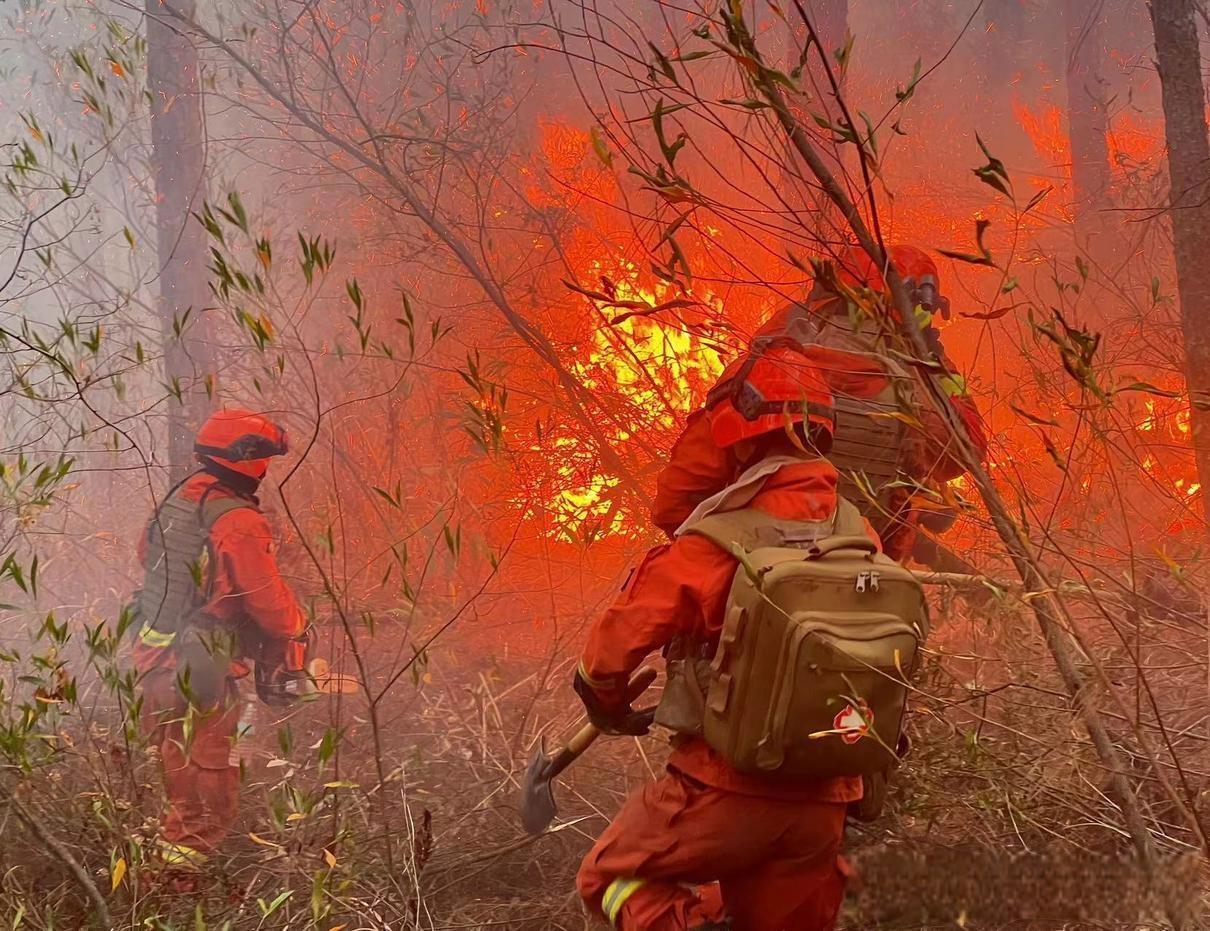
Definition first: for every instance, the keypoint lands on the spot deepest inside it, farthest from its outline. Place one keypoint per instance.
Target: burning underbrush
(405, 816)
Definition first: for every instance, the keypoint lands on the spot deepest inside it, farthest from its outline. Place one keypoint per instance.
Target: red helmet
(767, 390)
(919, 273)
(240, 441)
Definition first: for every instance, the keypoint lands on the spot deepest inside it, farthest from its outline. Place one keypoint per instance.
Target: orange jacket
(681, 589)
(248, 588)
(697, 468)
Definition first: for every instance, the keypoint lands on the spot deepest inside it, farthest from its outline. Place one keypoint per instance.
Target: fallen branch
(62, 854)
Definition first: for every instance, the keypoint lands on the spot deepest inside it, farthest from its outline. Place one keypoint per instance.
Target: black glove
(612, 717)
(932, 339)
(281, 669)
(938, 520)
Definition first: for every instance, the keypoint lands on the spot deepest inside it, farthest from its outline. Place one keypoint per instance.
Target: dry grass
(998, 820)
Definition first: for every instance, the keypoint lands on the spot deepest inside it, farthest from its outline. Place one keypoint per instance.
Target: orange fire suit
(201, 770)
(772, 845)
(697, 468)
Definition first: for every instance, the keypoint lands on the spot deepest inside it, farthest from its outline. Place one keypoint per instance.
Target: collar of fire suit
(243, 485)
(740, 492)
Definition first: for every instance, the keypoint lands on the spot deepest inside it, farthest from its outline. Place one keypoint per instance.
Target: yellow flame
(653, 368)
(1148, 423)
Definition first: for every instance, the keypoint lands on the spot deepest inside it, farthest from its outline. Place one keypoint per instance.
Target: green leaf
(693, 56)
(904, 94)
(665, 65)
(392, 500)
(993, 164)
(1037, 199)
(1147, 388)
(992, 179)
(845, 52)
(984, 257)
(993, 173)
(747, 103)
(328, 744)
(268, 909)
(1033, 418)
(668, 149)
(285, 740)
(237, 210)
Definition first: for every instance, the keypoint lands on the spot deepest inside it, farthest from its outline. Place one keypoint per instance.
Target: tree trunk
(1179, 61)
(831, 20)
(1088, 118)
(1005, 50)
(1178, 57)
(178, 167)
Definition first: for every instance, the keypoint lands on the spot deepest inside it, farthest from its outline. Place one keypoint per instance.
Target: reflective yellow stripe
(154, 638)
(179, 854)
(616, 895)
(599, 684)
(923, 317)
(953, 385)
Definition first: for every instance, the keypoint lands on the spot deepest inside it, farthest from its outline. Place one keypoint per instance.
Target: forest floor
(998, 819)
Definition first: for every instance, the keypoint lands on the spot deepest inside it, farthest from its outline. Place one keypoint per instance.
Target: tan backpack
(809, 678)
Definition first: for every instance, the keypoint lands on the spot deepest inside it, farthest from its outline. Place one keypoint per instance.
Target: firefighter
(870, 449)
(212, 598)
(772, 846)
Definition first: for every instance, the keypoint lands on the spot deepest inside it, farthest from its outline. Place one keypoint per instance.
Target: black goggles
(926, 295)
(247, 447)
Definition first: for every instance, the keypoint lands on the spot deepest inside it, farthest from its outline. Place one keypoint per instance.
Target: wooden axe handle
(585, 736)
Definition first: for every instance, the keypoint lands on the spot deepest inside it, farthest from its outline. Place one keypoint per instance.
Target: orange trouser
(201, 773)
(776, 861)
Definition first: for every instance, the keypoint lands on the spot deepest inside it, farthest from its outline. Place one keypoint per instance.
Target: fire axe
(537, 803)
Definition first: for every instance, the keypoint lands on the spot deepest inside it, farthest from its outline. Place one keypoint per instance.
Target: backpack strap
(209, 512)
(753, 529)
(849, 522)
(213, 508)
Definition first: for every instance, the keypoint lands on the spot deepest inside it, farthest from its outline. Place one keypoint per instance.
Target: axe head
(537, 804)
(537, 797)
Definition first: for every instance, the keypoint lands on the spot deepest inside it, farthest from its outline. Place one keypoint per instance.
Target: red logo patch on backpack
(854, 723)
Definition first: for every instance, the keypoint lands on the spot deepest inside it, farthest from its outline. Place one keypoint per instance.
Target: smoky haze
(483, 260)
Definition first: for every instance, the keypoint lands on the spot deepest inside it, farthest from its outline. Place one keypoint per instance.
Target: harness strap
(754, 529)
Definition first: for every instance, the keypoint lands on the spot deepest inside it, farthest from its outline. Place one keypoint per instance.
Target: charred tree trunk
(1178, 58)
(178, 167)
(1088, 117)
(831, 18)
(1006, 49)
(1005, 28)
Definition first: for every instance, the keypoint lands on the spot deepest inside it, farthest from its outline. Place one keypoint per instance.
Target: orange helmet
(767, 390)
(919, 273)
(240, 441)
